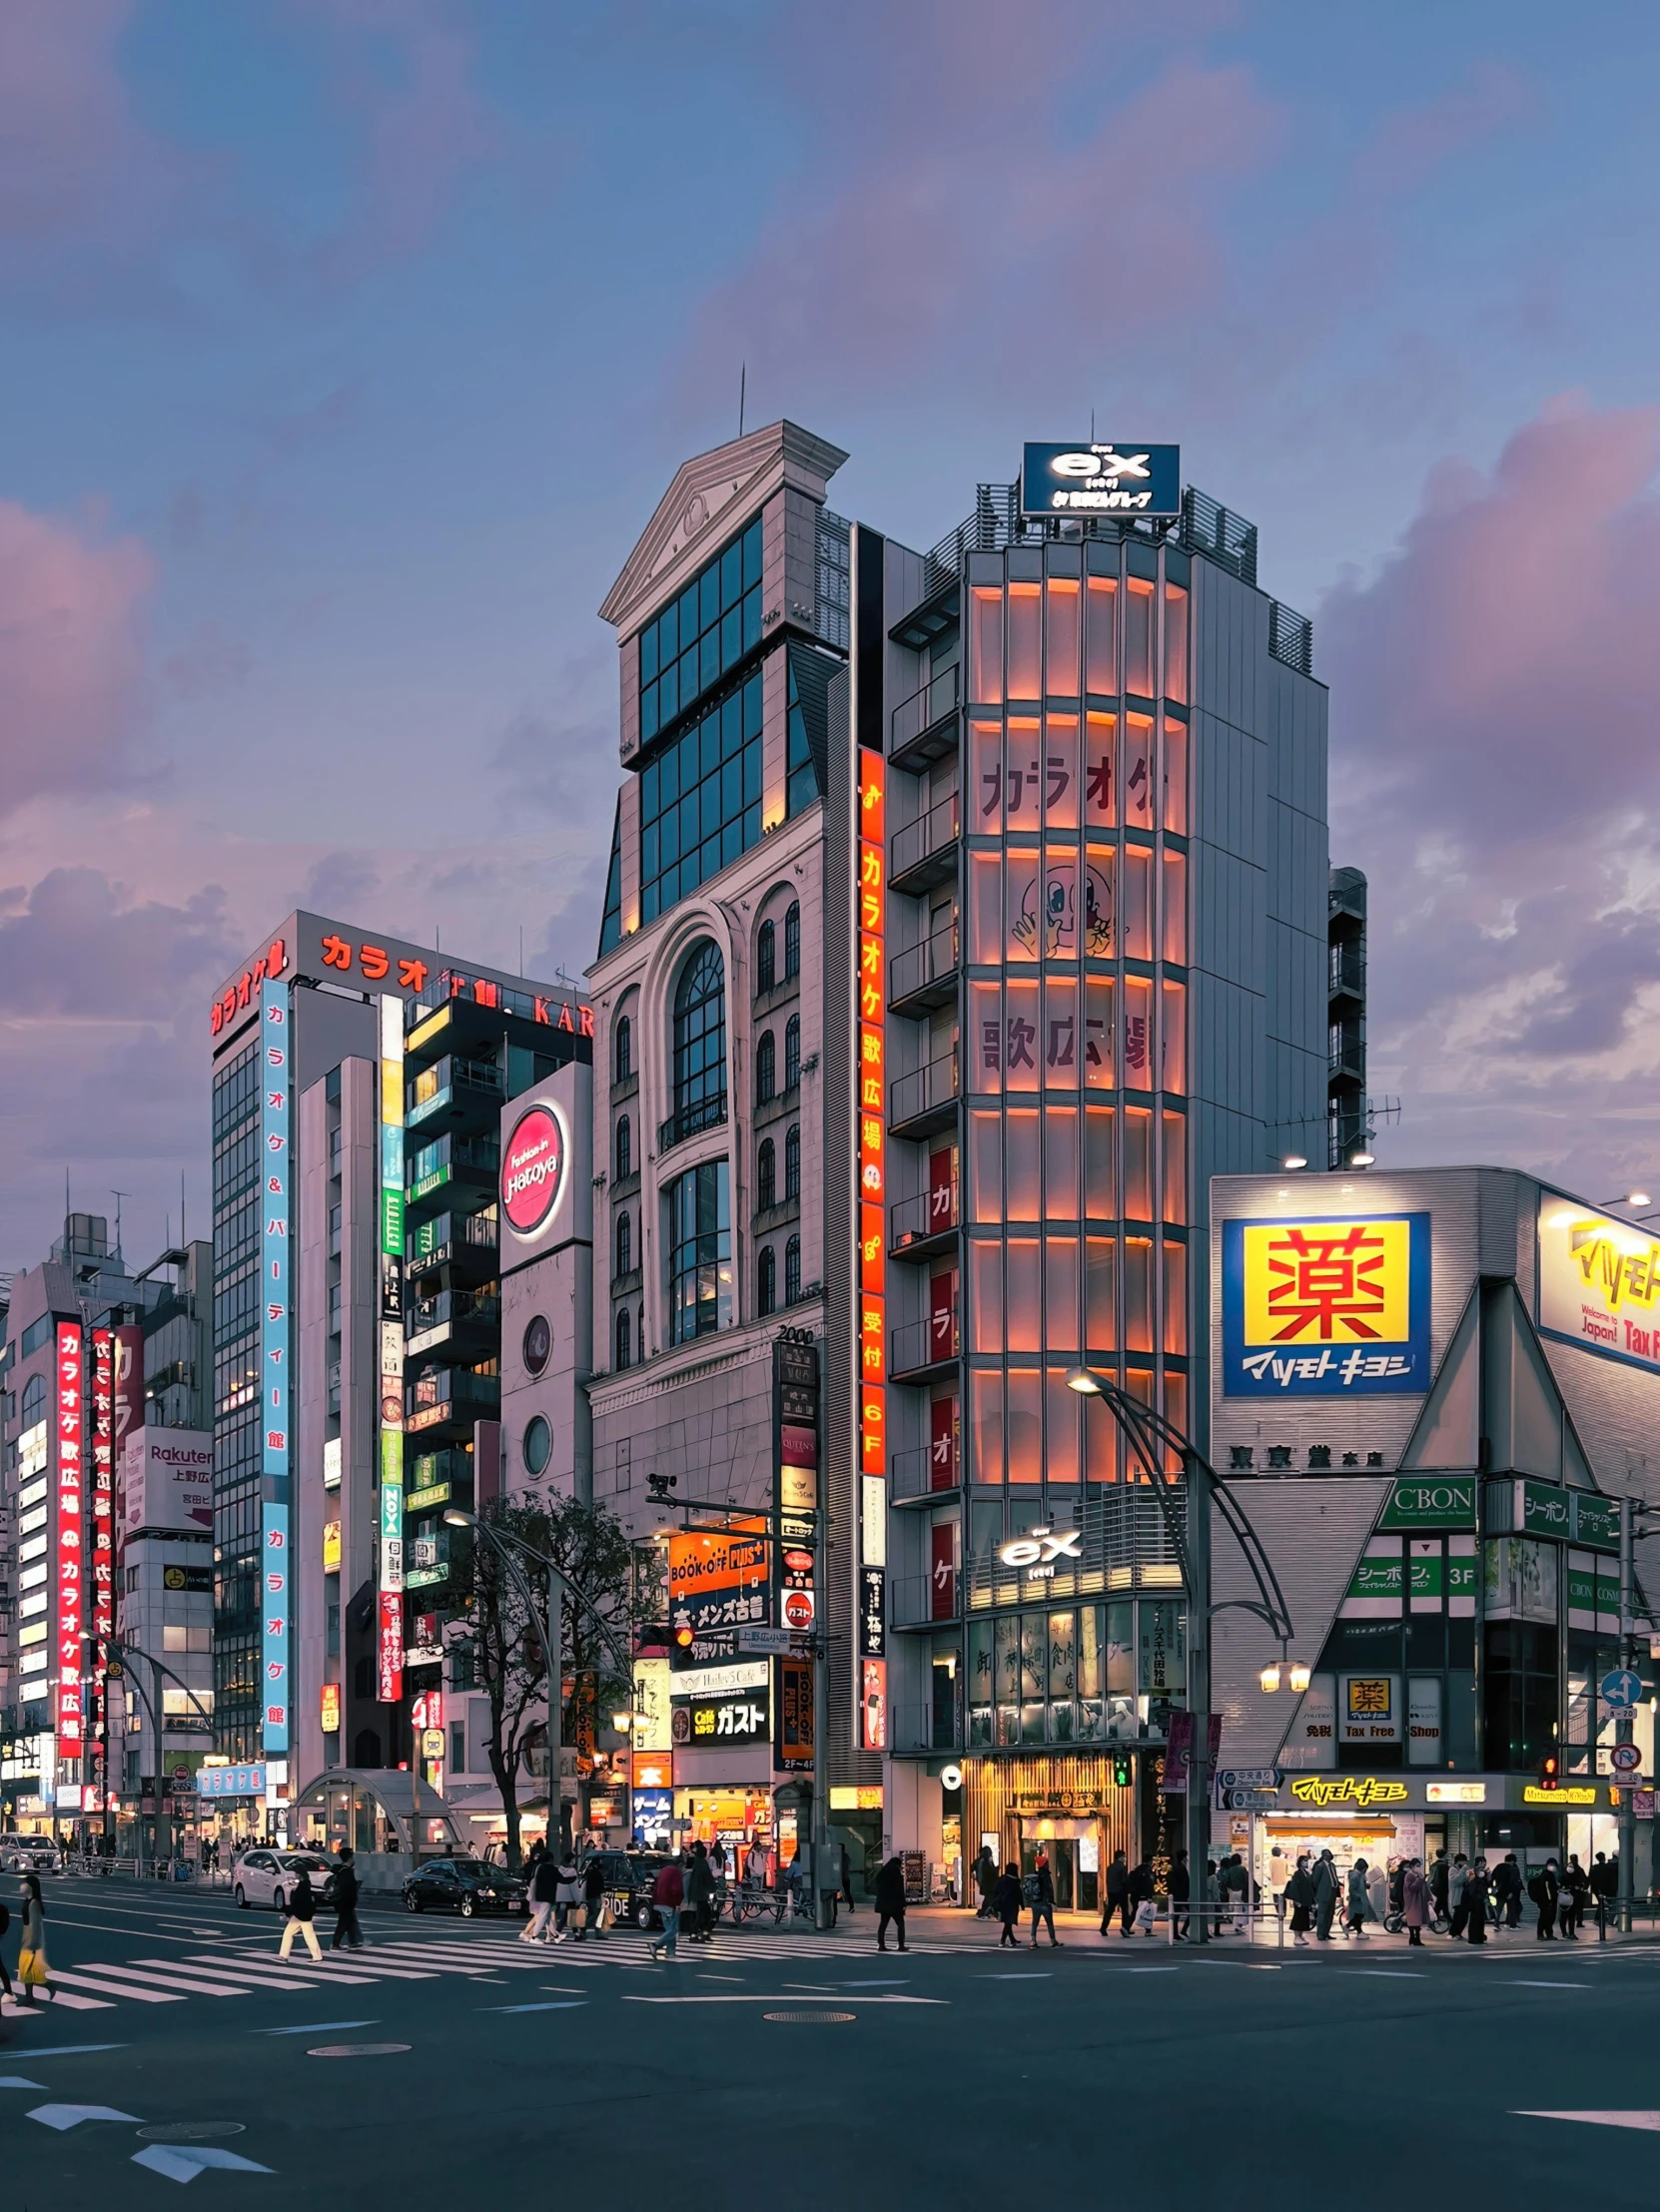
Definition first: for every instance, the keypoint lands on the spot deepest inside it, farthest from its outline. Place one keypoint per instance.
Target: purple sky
(350, 343)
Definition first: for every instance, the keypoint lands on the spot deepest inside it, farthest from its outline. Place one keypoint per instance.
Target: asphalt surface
(951, 2073)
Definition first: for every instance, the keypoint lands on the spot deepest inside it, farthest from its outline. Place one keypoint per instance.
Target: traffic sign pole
(1622, 1723)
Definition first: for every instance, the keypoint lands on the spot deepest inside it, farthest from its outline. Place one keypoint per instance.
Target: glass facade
(236, 1171)
(699, 1252)
(803, 775)
(700, 1041)
(715, 621)
(700, 801)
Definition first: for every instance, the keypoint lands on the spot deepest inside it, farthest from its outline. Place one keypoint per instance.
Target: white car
(268, 1877)
(27, 1854)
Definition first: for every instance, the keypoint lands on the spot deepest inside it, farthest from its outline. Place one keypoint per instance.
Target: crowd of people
(1462, 1897)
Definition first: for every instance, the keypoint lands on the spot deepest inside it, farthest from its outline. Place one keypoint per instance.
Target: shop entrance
(1074, 1849)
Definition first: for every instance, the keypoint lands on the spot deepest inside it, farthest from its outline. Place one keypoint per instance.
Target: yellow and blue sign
(1331, 1307)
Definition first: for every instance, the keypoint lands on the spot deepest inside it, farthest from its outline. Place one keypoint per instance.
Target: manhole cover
(189, 2131)
(353, 2050)
(800, 2019)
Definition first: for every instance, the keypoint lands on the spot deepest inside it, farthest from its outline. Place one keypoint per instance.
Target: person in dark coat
(1141, 1892)
(700, 1894)
(1006, 1902)
(593, 1894)
(890, 1901)
(1545, 1890)
(1476, 1886)
(1605, 1882)
(544, 1891)
(1117, 1894)
(1576, 1890)
(347, 1931)
(1299, 1891)
(986, 1880)
(1043, 1900)
(1441, 1871)
(302, 1910)
(1180, 1889)
(1324, 1873)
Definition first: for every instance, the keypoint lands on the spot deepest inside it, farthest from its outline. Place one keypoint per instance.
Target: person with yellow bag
(31, 1960)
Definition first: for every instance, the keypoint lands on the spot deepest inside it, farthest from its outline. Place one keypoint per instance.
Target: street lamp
(1628, 1197)
(1365, 1158)
(1294, 1160)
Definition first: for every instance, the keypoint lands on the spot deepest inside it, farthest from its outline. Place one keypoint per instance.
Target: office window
(624, 1244)
(701, 800)
(792, 942)
(624, 1049)
(766, 1281)
(802, 786)
(766, 1067)
(792, 1052)
(766, 958)
(623, 1164)
(766, 1176)
(792, 1165)
(792, 1271)
(715, 621)
(625, 1339)
(701, 1252)
(700, 1040)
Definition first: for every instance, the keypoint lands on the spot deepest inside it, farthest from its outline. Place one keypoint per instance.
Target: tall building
(1347, 1119)
(356, 1085)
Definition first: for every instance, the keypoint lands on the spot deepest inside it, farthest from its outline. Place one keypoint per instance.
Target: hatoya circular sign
(532, 1171)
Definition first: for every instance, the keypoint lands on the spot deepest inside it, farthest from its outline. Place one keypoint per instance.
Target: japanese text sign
(1327, 1308)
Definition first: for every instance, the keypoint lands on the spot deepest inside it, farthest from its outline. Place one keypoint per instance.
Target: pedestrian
(1416, 1902)
(847, 1879)
(1457, 1880)
(1576, 1890)
(668, 1894)
(1180, 1889)
(1210, 1898)
(543, 1890)
(5, 1975)
(700, 1894)
(1140, 1896)
(299, 1913)
(1326, 1895)
(1117, 1894)
(1378, 1892)
(1043, 1899)
(1006, 1898)
(1604, 1881)
(1301, 1894)
(717, 1860)
(593, 1894)
(985, 1881)
(1397, 1884)
(1440, 1871)
(346, 1930)
(568, 1896)
(1280, 1872)
(755, 1866)
(1474, 1901)
(1359, 1904)
(1507, 1888)
(890, 1901)
(1544, 1888)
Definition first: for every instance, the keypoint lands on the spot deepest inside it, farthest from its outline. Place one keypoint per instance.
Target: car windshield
(301, 1859)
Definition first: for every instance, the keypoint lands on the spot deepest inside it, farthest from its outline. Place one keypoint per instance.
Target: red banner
(872, 1103)
(71, 1432)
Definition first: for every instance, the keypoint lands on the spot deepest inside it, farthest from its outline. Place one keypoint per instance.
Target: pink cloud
(71, 652)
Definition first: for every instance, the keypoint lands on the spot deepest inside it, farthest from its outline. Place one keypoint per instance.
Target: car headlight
(486, 1892)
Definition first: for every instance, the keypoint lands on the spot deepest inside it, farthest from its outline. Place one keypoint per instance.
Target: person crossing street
(302, 1910)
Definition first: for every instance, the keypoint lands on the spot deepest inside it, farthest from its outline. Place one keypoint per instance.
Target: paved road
(948, 2074)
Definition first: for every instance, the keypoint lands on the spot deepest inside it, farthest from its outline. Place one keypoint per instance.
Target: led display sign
(275, 1169)
(1094, 479)
(1599, 1283)
(534, 1162)
(72, 1618)
(1330, 1307)
(390, 1642)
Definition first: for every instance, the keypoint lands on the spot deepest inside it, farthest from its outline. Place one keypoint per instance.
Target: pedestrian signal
(1123, 1770)
(1550, 1772)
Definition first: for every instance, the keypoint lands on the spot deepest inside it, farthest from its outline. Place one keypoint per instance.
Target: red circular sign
(532, 1171)
(798, 1607)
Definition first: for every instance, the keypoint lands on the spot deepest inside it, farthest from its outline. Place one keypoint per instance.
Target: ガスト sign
(1325, 1308)
(533, 1171)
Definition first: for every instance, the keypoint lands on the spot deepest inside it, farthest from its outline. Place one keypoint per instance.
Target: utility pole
(1622, 1719)
(1198, 1480)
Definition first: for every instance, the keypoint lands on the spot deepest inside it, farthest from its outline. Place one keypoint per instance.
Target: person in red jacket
(668, 1894)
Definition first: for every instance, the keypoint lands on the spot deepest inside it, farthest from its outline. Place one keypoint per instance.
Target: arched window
(625, 1338)
(623, 1166)
(624, 1049)
(624, 1244)
(700, 1041)
(792, 1165)
(766, 1175)
(766, 1067)
(792, 1271)
(792, 942)
(766, 958)
(766, 1280)
(792, 1052)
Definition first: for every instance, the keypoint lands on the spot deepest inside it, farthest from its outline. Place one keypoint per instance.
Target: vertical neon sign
(873, 1263)
(390, 1647)
(276, 1308)
(71, 1423)
(103, 1519)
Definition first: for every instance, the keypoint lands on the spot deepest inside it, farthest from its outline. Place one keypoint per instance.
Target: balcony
(917, 1473)
(688, 1121)
(921, 1225)
(926, 975)
(925, 851)
(454, 1091)
(451, 1162)
(924, 1728)
(922, 1600)
(1346, 1060)
(1347, 974)
(925, 1101)
(920, 1351)
(447, 1397)
(924, 726)
(467, 1321)
(466, 1244)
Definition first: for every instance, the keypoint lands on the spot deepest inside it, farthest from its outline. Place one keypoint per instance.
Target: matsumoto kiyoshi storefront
(1430, 1392)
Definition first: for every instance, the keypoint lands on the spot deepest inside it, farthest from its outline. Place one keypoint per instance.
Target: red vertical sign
(71, 1435)
(873, 915)
(103, 1507)
(942, 1444)
(944, 1563)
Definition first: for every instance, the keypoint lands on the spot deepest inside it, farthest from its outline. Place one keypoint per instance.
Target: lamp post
(114, 1647)
(1150, 1436)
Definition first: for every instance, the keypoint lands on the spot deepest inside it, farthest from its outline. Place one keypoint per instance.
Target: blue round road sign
(1621, 1688)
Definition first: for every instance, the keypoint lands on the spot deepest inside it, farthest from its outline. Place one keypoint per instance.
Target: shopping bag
(577, 1915)
(603, 1919)
(1143, 1913)
(31, 1968)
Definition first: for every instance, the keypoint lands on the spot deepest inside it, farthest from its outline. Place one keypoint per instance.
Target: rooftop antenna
(118, 1196)
(521, 948)
(181, 1237)
(743, 379)
(1092, 426)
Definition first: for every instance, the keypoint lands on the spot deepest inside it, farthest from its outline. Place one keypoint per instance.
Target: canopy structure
(384, 1812)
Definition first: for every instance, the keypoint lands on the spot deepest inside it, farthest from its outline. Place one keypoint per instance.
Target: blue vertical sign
(275, 1150)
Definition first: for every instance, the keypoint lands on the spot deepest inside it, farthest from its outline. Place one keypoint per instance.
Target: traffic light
(1124, 1772)
(1550, 1772)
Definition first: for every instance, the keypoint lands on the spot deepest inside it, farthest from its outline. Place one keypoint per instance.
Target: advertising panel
(719, 1580)
(795, 1715)
(167, 1481)
(72, 1615)
(544, 1190)
(873, 1703)
(1599, 1283)
(103, 1511)
(652, 1696)
(1369, 1709)
(389, 1640)
(1430, 1502)
(1312, 1737)
(534, 1160)
(699, 1721)
(1087, 478)
(1329, 1307)
(872, 1106)
(275, 1167)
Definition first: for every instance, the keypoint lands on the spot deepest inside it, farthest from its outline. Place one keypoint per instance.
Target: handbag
(577, 1916)
(602, 1920)
(1145, 1913)
(31, 1968)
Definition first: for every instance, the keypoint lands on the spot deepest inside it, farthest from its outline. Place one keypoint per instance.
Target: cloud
(340, 884)
(71, 653)
(206, 663)
(82, 949)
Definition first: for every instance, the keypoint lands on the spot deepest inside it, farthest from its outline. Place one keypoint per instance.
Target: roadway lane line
(287, 1974)
(140, 1977)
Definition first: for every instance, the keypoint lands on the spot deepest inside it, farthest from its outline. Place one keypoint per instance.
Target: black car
(629, 1877)
(465, 1886)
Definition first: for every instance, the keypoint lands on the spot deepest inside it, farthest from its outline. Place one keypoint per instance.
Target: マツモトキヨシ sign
(1331, 1307)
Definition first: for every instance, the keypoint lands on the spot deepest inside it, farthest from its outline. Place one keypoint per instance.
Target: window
(802, 787)
(792, 1165)
(766, 958)
(700, 1041)
(624, 1049)
(792, 1271)
(34, 1401)
(691, 644)
(700, 801)
(766, 1068)
(792, 942)
(766, 1176)
(792, 1052)
(625, 1246)
(766, 1280)
(625, 1339)
(539, 1445)
(623, 1164)
(610, 921)
(701, 1252)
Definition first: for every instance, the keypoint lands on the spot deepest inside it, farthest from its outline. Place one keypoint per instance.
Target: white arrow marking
(61, 2117)
(1648, 2120)
(17, 2081)
(181, 2164)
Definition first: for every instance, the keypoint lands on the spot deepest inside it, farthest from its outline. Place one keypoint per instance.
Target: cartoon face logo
(1098, 915)
(1060, 921)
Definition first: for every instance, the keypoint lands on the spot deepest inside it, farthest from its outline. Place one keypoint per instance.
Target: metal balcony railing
(919, 1472)
(929, 704)
(687, 1121)
(925, 1091)
(927, 971)
(931, 836)
(1347, 970)
(918, 1344)
(918, 1221)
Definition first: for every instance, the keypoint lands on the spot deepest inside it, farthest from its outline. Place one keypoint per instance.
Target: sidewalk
(1266, 1932)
